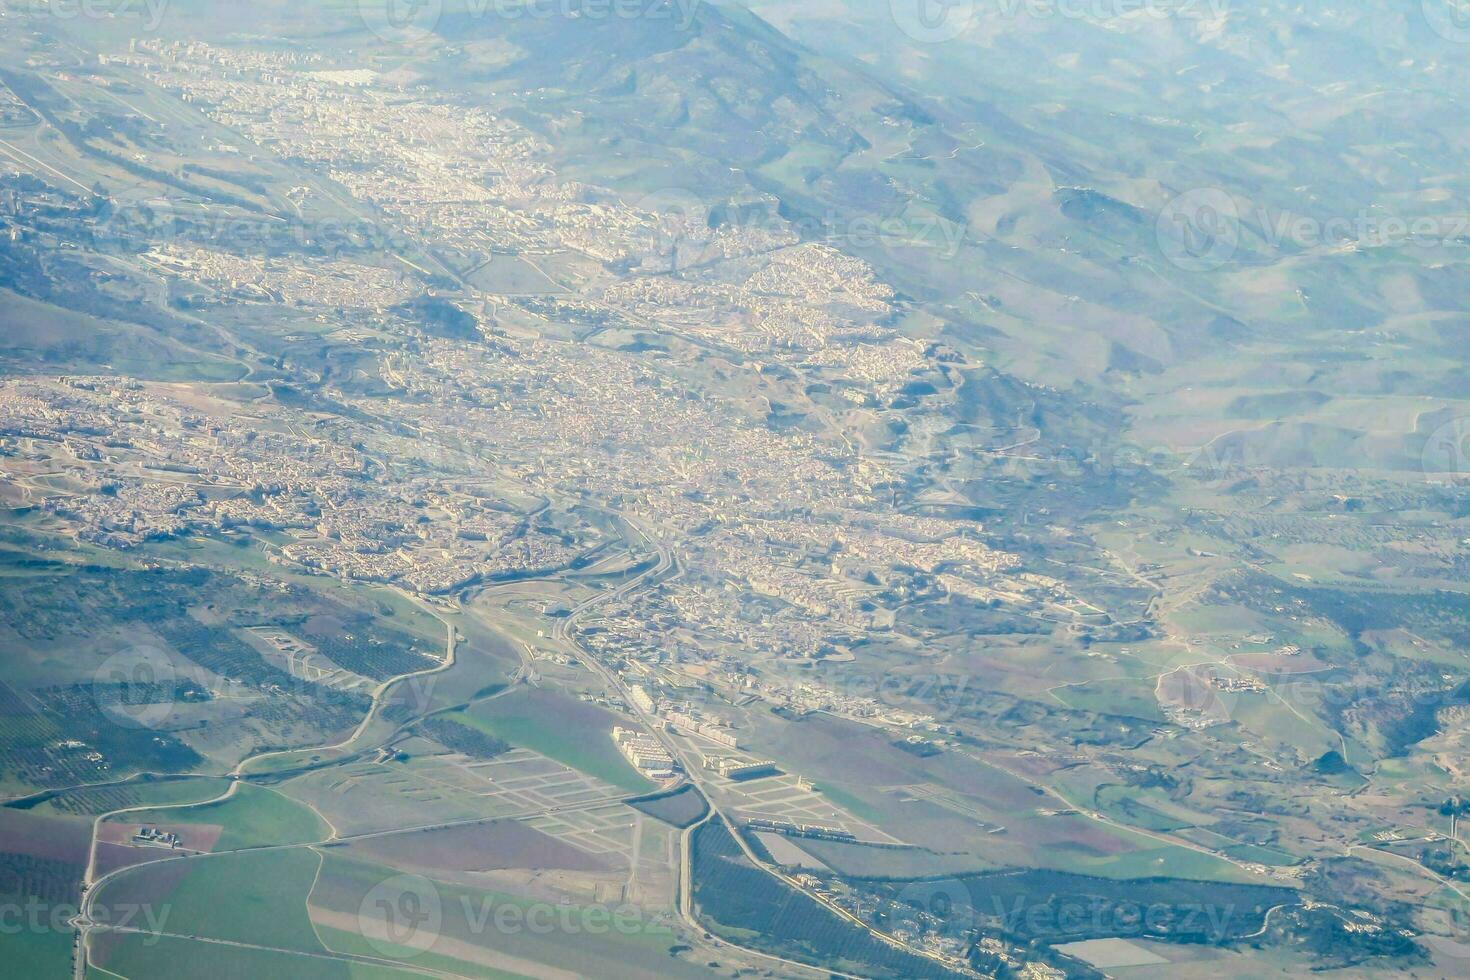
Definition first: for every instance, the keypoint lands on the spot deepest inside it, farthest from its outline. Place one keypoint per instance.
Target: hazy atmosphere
(864, 489)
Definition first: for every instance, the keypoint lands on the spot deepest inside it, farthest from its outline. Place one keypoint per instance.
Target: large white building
(645, 752)
(691, 726)
(640, 699)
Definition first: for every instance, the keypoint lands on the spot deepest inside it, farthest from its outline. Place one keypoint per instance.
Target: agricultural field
(491, 846)
(559, 727)
(94, 801)
(145, 956)
(42, 861)
(257, 899)
(468, 936)
(390, 408)
(681, 808)
(740, 901)
(247, 817)
(431, 787)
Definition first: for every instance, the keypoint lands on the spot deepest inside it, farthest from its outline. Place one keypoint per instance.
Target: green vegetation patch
(37, 953)
(1055, 907)
(94, 800)
(1122, 803)
(184, 959)
(512, 933)
(750, 906)
(1119, 696)
(465, 739)
(251, 817)
(573, 733)
(259, 899)
(681, 808)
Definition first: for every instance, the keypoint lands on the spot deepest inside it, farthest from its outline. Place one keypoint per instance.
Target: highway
(694, 773)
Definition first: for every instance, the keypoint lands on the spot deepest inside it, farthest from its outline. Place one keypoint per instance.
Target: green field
(1118, 696)
(342, 941)
(251, 817)
(518, 932)
(104, 799)
(852, 804)
(259, 899)
(1170, 862)
(1122, 803)
(1262, 854)
(140, 957)
(36, 954)
(579, 737)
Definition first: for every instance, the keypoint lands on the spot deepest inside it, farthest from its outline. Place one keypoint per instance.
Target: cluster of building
(680, 717)
(295, 281)
(738, 768)
(686, 724)
(121, 463)
(789, 549)
(645, 752)
(1238, 685)
(1004, 955)
(807, 830)
(807, 305)
(580, 420)
(805, 698)
(156, 837)
(466, 178)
